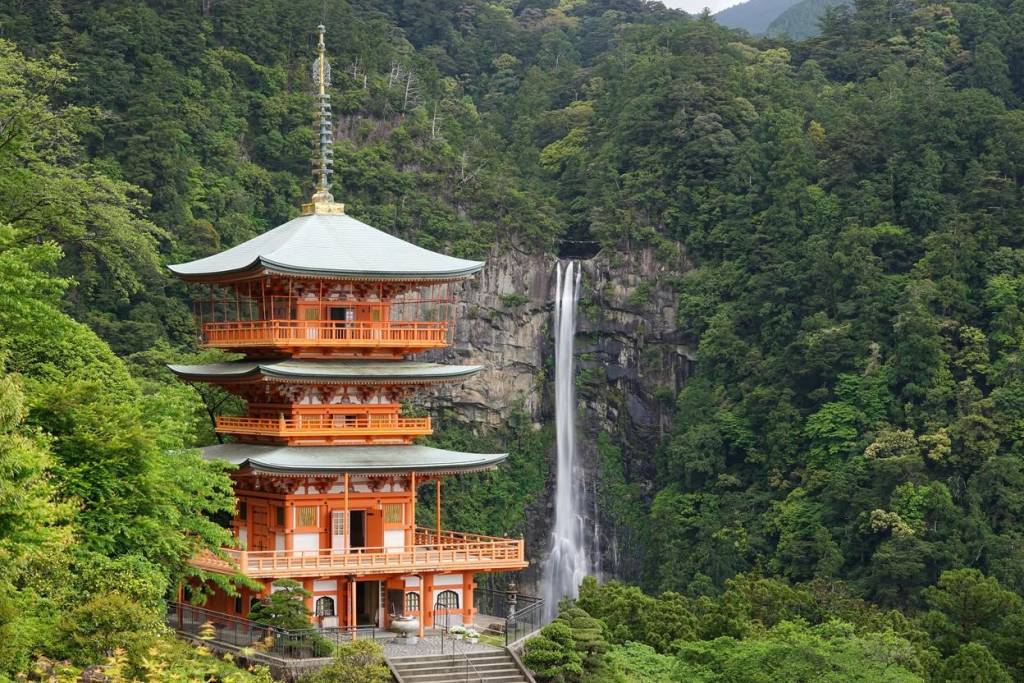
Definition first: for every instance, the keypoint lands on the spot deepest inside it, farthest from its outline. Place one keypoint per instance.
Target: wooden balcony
(332, 429)
(398, 337)
(450, 551)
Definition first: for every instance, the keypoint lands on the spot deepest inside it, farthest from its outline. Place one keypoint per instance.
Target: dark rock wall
(631, 361)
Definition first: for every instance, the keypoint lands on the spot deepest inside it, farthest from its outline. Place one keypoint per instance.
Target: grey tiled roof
(327, 370)
(357, 459)
(328, 245)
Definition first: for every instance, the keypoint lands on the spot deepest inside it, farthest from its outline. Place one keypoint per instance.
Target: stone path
(431, 645)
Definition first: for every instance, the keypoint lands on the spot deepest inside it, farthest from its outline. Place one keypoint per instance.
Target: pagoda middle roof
(330, 371)
(327, 245)
(400, 459)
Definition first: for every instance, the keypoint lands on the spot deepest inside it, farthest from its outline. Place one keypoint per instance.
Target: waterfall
(566, 564)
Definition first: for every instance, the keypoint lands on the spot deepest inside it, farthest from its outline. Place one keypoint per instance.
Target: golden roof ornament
(323, 160)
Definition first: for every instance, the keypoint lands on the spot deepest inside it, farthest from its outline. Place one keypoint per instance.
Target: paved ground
(431, 645)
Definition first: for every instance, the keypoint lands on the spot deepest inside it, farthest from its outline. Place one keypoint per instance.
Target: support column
(412, 514)
(352, 622)
(248, 522)
(467, 598)
(423, 606)
(308, 585)
(427, 595)
(348, 532)
(437, 503)
(289, 525)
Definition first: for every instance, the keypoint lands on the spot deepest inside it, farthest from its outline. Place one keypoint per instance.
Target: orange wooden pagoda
(326, 310)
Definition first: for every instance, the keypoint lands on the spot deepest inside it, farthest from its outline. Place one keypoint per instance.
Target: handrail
(526, 617)
(445, 611)
(326, 332)
(448, 536)
(481, 551)
(325, 425)
(240, 632)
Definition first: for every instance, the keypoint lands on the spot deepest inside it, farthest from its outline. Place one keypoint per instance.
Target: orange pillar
(352, 606)
(289, 524)
(423, 607)
(437, 503)
(348, 532)
(426, 595)
(411, 525)
(467, 598)
(308, 585)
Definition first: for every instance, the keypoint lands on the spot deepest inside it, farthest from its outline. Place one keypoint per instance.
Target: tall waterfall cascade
(567, 561)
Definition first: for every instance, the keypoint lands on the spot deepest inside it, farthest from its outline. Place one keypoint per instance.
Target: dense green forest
(843, 487)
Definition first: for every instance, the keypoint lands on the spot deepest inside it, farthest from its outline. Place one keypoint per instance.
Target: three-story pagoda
(326, 311)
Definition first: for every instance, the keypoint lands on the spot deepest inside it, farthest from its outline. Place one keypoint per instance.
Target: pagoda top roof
(329, 371)
(302, 460)
(327, 245)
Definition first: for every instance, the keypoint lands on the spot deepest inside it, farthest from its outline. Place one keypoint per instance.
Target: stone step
(455, 676)
(489, 671)
(495, 666)
(456, 667)
(436, 659)
(478, 663)
(509, 670)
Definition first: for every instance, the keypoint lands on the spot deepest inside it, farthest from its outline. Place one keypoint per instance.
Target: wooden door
(260, 529)
(309, 314)
(338, 540)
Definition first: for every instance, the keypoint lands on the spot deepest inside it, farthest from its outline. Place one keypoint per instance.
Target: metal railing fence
(246, 634)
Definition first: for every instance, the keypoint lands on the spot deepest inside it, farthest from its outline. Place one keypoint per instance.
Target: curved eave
(326, 460)
(261, 267)
(248, 371)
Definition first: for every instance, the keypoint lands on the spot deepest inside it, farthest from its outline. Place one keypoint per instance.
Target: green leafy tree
(285, 607)
(553, 655)
(973, 663)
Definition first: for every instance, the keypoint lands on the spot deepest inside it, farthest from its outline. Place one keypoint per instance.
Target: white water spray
(567, 560)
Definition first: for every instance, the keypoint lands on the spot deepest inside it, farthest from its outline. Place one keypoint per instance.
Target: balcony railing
(453, 551)
(331, 427)
(326, 333)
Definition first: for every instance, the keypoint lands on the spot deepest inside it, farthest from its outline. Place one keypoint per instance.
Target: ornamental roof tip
(328, 245)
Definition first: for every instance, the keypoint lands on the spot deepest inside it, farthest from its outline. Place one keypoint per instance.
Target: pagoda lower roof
(328, 246)
(326, 371)
(304, 460)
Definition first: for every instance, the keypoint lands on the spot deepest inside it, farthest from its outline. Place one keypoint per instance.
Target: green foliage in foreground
(358, 662)
(167, 660)
(763, 630)
(102, 502)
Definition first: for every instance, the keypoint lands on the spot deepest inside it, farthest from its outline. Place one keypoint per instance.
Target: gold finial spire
(323, 161)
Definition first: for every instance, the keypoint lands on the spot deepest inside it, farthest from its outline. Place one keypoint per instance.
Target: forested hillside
(850, 445)
(802, 20)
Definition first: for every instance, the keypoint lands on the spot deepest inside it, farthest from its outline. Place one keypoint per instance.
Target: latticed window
(305, 516)
(448, 599)
(412, 602)
(324, 607)
(393, 513)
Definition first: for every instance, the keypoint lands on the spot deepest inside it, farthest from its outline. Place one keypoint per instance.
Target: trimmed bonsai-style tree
(286, 609)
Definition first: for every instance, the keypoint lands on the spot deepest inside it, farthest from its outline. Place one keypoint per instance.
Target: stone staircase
(485, 667)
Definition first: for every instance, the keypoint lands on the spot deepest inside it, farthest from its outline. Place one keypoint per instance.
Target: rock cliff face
(631, 361)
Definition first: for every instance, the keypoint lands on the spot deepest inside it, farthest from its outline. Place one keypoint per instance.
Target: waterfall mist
(567, 562)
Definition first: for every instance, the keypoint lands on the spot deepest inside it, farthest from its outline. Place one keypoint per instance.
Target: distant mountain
(802, 19)
(754, 16)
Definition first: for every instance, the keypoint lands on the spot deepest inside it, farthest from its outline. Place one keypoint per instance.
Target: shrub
(361, 661)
